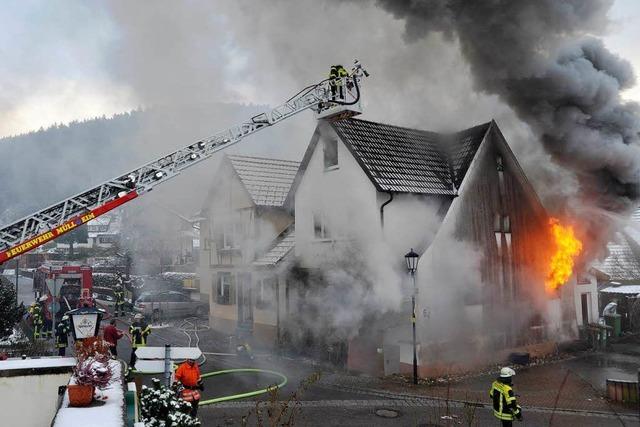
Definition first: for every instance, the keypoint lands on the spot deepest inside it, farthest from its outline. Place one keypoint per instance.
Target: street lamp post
(412, 264)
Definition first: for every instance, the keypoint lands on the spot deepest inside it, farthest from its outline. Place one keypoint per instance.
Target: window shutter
(232, 289)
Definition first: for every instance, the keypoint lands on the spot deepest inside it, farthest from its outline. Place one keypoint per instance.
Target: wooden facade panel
(512, 277)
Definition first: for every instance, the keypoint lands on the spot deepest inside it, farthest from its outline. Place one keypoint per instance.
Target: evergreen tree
(10, 312)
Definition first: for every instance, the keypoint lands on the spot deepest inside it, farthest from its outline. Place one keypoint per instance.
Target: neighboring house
(102, 232)
(382, 189)
(246, 237)
(619, 274)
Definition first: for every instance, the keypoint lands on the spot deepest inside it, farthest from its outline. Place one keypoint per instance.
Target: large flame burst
(568, 247)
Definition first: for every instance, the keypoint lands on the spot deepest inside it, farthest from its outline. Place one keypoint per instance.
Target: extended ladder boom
(39, 228)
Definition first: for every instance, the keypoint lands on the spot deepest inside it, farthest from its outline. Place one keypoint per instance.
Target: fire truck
(65, 286)
(47, 224)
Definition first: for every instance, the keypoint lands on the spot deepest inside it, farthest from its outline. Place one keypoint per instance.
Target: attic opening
(330, 153)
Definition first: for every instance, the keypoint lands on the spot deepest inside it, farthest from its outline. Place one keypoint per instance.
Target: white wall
(30, 400)
(343, 194)
(591, 290)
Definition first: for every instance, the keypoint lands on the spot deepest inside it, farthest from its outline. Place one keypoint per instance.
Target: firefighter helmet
(507, 372)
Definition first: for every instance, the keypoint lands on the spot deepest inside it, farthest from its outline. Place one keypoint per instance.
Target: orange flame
(568, 247)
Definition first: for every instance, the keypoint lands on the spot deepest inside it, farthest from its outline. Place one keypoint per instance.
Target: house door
(245, 306)
(584, 300)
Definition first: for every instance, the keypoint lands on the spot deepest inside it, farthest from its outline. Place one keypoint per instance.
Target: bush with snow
(161, 406)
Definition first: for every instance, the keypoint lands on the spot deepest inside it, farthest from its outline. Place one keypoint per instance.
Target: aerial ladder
(47, 224)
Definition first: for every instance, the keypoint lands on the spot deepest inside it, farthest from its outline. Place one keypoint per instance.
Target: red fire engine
(65, 286)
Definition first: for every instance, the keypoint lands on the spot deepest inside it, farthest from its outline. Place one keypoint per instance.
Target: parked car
(105, 296)
(158, 305)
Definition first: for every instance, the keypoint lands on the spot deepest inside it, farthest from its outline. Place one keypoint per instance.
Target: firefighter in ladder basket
(336, 82)
(188, 375)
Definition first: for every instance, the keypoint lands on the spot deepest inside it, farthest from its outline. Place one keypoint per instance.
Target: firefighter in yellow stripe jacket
(139, 331)
(505, 407)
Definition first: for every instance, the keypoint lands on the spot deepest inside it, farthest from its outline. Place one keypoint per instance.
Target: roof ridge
(422, 130)
(240, 156)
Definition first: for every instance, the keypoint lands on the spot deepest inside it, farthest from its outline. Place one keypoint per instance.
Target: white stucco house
(247, 237)
(366, 193)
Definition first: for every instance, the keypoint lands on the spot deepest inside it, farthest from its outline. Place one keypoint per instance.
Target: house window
(320, 230)
(225, 293)
(265, 292)
(229, 236)
(330, 153)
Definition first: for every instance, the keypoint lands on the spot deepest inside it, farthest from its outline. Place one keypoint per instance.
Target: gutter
(382, 208)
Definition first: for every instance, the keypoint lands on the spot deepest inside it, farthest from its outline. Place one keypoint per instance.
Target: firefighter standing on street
(139, 331)
(188, 374)
(505, 407)
(62, 332)
(118, 292)
(37, 319)
(336, 75)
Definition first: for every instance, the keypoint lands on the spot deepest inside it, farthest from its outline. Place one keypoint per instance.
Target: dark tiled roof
(267, 180)
(410, 160)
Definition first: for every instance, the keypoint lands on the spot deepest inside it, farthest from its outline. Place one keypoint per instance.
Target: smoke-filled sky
(73, 60)
(548, 71)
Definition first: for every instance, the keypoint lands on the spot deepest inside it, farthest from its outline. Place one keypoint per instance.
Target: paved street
(573, 386)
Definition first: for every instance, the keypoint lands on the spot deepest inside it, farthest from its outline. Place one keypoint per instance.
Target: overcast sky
(58, 60)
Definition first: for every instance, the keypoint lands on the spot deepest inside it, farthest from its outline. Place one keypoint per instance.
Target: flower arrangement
(93, 370)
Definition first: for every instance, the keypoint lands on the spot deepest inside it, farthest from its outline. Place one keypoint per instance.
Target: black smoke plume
(541, 58)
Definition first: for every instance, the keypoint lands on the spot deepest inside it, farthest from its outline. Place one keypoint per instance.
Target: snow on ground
(44, 362)
(107, 411)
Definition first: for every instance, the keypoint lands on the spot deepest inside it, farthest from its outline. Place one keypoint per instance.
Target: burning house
(246, 242)
(491, 278)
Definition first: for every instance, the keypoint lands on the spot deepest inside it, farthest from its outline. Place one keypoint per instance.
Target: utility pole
(17, 276)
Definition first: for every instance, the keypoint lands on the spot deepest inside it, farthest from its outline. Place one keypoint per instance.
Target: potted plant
(92, 371)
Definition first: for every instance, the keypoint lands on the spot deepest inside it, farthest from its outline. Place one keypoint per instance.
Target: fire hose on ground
(282, 377)
(283, 382)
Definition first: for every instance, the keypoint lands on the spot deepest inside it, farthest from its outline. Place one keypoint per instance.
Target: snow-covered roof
(621, 263)
(622, 289)
(279, 251)
(40, 363)
(106, 224)
(267, 180)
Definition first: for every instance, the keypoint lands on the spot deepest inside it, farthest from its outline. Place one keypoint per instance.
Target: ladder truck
(47, 224)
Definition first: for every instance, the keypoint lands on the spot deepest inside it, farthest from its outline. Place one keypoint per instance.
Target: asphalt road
(321, 405)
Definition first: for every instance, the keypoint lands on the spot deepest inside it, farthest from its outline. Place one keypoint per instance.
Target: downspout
(382, 208)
